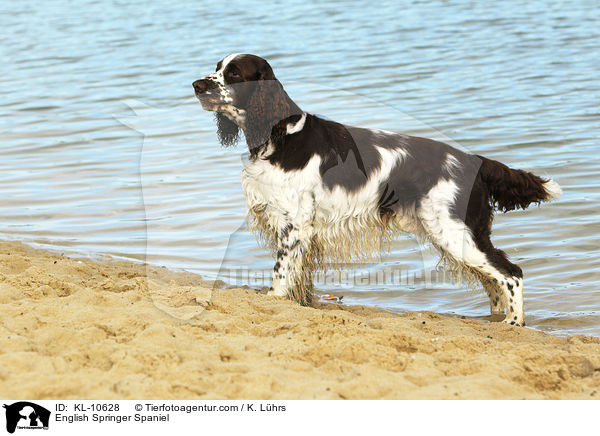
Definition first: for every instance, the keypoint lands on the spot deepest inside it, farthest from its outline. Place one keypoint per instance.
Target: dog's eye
(233, 73)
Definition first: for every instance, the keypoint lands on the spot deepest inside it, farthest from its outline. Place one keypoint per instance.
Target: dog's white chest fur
(280, 195)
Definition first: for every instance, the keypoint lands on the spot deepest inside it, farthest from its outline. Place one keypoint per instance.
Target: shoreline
(76, 328)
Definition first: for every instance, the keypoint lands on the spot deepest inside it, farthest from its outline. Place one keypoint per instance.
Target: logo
(26, 415)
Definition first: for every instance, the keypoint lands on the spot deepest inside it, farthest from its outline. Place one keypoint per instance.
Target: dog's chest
(285, 195)
(278, 192)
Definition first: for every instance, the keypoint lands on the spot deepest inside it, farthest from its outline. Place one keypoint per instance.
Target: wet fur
(325, 195)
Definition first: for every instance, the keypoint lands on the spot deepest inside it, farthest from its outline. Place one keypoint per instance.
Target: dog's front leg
(292, 275)
(291, 249)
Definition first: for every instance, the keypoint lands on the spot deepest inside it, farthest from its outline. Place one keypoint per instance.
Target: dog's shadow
(320, 304)
(490, 318)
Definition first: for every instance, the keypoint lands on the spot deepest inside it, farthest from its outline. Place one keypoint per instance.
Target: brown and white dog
(322, 193)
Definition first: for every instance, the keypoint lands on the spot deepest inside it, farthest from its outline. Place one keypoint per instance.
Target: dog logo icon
(26, 415)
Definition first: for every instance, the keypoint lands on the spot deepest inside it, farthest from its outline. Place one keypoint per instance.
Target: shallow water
(516, 81)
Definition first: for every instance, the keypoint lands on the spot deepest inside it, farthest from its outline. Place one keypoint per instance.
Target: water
(516, 81)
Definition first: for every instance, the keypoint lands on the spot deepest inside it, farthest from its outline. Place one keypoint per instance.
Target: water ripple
(105, 150)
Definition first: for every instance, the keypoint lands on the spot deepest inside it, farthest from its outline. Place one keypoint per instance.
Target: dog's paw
(274, 292)
(516, 323)
(263, 291)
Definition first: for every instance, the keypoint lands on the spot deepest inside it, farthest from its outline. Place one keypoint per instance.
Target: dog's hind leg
(501, 278)
(510, 282)
(454, 238)
(496, 295)
(509, 285)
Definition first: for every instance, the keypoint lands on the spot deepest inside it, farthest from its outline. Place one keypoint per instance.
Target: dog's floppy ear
(227, 130)
(268, 105)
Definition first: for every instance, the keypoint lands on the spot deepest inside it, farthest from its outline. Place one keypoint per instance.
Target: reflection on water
(105, 150)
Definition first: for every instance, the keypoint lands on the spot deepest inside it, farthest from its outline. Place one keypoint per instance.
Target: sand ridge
(79, 328)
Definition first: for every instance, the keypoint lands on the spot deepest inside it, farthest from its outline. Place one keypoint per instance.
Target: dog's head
(245, 93)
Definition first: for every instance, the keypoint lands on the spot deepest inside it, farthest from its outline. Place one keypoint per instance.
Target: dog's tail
(511, 189)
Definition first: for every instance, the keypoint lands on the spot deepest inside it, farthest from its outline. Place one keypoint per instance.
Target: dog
(324, 194)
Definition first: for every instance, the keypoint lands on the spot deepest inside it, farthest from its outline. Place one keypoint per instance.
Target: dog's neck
(291, 125)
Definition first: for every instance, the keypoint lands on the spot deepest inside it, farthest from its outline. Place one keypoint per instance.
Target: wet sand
(74, 328)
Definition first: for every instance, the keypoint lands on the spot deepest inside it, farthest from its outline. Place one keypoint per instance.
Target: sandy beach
(75, 328)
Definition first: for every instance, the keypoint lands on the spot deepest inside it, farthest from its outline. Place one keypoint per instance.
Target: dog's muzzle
(203, 89)
(203, 85)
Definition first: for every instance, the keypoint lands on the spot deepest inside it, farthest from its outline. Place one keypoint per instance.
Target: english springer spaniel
(321, 193)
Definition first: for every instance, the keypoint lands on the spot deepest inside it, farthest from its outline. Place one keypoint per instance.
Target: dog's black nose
(200, 86)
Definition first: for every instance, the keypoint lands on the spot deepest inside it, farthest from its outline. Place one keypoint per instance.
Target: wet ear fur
(227, 130)
(268, 106)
